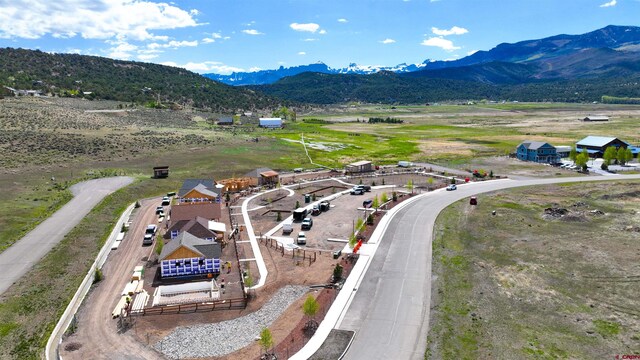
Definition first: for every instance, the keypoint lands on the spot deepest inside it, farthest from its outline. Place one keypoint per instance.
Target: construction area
(132, 314)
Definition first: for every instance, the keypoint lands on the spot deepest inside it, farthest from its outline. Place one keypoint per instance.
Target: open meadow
(452, 135)
(553, 274)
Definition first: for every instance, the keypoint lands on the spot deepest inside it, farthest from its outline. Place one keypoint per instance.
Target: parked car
(307, 223)
(148, 239)
(302, 239)
(287, 228)
(151, 229)
(452, 187)
(324, 205)
(367, 203)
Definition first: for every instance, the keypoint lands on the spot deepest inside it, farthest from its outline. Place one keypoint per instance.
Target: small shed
(160, 172)
(271, 123)
(563, 151)
(596, 118)
(359, 167)
(263, 176)
(225, 120)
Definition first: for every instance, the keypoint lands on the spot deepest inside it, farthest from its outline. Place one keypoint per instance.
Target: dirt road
(26, 252)
(97, 335)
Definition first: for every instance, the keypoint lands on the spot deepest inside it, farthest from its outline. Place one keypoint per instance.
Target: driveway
(390, 311)
(18, 259)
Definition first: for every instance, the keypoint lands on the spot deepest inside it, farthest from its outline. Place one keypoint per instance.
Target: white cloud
(91, 19)
(147, 57)
(252, 32)
(444, 44)
(609, 4)
(387, 41)
(309, 27)
(173, 44)
(453, 31)
(302, 53)
(343, 20)
(206, 66)
(123, 50)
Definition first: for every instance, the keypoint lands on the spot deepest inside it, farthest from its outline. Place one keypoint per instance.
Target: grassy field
(522, 284)
(452, 134)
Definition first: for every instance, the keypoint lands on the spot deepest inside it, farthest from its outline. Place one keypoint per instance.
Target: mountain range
(270, 76)
(569, 68)
(558, 68)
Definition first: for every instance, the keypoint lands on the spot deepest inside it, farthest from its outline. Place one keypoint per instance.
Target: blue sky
(243, 35)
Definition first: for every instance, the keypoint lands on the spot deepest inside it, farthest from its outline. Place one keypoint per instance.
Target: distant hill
(270, 76)
(560, 68)
(127, 81)
(384, 87)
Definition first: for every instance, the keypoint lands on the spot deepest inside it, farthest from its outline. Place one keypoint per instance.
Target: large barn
(595, 146)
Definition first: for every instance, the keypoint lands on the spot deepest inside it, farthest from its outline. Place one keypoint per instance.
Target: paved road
(18, 259)
(390, 311)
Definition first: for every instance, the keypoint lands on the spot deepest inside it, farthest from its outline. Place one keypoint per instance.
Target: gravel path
(228, 336)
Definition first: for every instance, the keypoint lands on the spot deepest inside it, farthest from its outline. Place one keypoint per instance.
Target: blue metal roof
(588, 151)
(598, 141)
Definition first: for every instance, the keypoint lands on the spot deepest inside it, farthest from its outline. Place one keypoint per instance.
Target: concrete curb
(51, 350)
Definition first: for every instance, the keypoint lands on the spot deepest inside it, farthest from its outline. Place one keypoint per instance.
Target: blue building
(271, 123)
(537, 151)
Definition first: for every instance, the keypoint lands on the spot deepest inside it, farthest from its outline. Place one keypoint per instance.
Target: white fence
(51, 351)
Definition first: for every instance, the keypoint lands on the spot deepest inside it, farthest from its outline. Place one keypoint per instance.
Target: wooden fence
(227, 304)
(299, 254)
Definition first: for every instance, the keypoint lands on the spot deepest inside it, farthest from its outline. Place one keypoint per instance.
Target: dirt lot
(554, 274)
(337, 223)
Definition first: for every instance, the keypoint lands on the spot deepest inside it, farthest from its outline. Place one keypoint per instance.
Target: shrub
(337, 272)
(98, 276)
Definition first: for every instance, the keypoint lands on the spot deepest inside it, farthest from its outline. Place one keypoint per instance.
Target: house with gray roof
(537, 151)
(189, 256)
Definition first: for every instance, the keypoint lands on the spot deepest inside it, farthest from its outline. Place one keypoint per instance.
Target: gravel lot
(225, 337)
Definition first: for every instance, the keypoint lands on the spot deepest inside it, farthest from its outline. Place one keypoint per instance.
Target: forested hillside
(102, 78)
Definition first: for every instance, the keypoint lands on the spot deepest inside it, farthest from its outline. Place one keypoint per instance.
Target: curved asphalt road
(18, 259)
(390, 311)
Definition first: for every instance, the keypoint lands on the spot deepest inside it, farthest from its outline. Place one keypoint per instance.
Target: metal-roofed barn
(270, 123)
(596, 118)
(595, 146)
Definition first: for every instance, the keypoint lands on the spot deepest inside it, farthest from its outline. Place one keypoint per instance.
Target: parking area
(330, 229)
